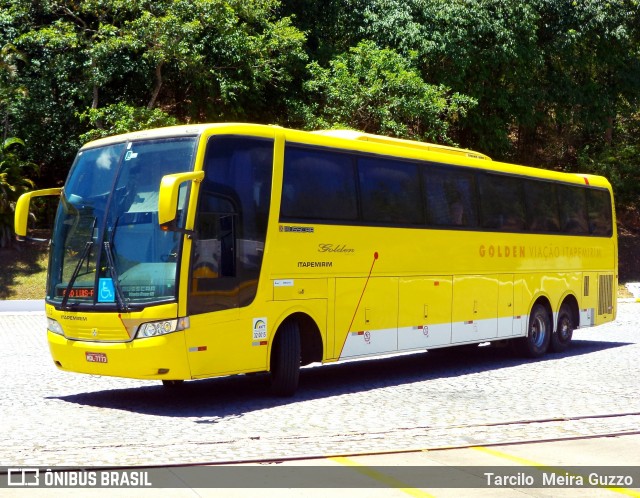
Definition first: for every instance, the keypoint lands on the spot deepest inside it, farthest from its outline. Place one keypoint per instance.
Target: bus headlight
(153, 329)
(54, 326)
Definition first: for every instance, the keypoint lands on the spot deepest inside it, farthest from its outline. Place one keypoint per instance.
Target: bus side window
(437, 205)
(390, 191)
(600, 222)
(542, 206)
(450, 197)
(318, 185)
(502, 206)
(573, 209)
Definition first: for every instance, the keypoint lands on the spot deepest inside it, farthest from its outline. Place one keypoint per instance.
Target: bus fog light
(153, 329)
(54, 326)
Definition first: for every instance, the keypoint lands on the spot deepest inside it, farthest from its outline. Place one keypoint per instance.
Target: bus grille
(605, 294)
(586, 286)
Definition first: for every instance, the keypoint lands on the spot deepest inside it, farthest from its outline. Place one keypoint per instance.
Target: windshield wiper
(122, 304)
(76, 271)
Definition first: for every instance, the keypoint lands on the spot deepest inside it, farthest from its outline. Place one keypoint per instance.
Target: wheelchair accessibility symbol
(106, 291)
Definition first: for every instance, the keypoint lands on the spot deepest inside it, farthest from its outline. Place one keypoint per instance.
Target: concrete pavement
(12, 306)
(385, 475)
(577, 408)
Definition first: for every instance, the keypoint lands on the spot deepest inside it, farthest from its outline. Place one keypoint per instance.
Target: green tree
(192, 60)
(13, 183)
(482, 48)
(10, 90)
(379, 91)
(331, 26)
(591, 73)
(619, 163)
(549, 76)
(122, 118)
(555, 82)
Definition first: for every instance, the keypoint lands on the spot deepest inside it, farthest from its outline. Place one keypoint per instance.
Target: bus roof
(458, 155)
(367, 137)
(169, 131)
(345, 134)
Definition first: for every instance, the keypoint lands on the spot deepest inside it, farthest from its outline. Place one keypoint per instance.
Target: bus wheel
(285, 360)
(562, 336)
(536, 343)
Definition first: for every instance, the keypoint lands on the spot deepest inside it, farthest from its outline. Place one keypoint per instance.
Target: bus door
(227, 333)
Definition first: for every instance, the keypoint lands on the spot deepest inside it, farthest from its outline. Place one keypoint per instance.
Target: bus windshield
(107, 246)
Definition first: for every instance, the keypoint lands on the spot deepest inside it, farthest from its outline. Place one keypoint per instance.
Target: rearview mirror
(168, 196)
(23, 208)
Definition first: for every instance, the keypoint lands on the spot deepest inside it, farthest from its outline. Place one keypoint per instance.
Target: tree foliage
(14, 181)
(9, 90)
(379, 91)
(552, 83)
(182, 60)
(122, 118)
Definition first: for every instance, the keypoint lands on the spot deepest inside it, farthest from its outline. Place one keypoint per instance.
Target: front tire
(561, 338)
(536, 343)
(285, 360)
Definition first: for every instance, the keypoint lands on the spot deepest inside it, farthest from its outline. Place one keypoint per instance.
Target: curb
(22, 306)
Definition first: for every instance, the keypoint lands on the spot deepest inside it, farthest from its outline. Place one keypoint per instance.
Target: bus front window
(107, 245)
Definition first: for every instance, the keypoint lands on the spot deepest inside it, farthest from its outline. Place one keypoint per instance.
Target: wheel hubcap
(538, 332)
(564, 330)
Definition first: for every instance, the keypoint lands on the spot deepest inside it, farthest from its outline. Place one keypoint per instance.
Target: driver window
(231, 223)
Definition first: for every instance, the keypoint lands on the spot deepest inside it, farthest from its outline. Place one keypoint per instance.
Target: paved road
(418, 474)
(423, 400)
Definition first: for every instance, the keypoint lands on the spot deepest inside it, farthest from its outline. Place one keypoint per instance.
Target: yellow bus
(209, 250)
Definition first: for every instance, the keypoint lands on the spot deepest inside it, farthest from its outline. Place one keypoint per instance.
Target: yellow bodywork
(161, 357)
(111, 335)
(368, 290)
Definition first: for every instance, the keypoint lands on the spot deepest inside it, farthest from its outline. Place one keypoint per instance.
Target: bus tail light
(153, 329)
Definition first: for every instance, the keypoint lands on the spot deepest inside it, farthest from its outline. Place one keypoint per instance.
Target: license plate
(96, 357)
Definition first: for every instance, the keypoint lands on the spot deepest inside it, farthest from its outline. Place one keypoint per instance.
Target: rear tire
(561, 338)
(536, 343)
(285, 360)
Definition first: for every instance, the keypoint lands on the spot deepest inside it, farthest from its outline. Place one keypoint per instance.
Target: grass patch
(24, 272)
